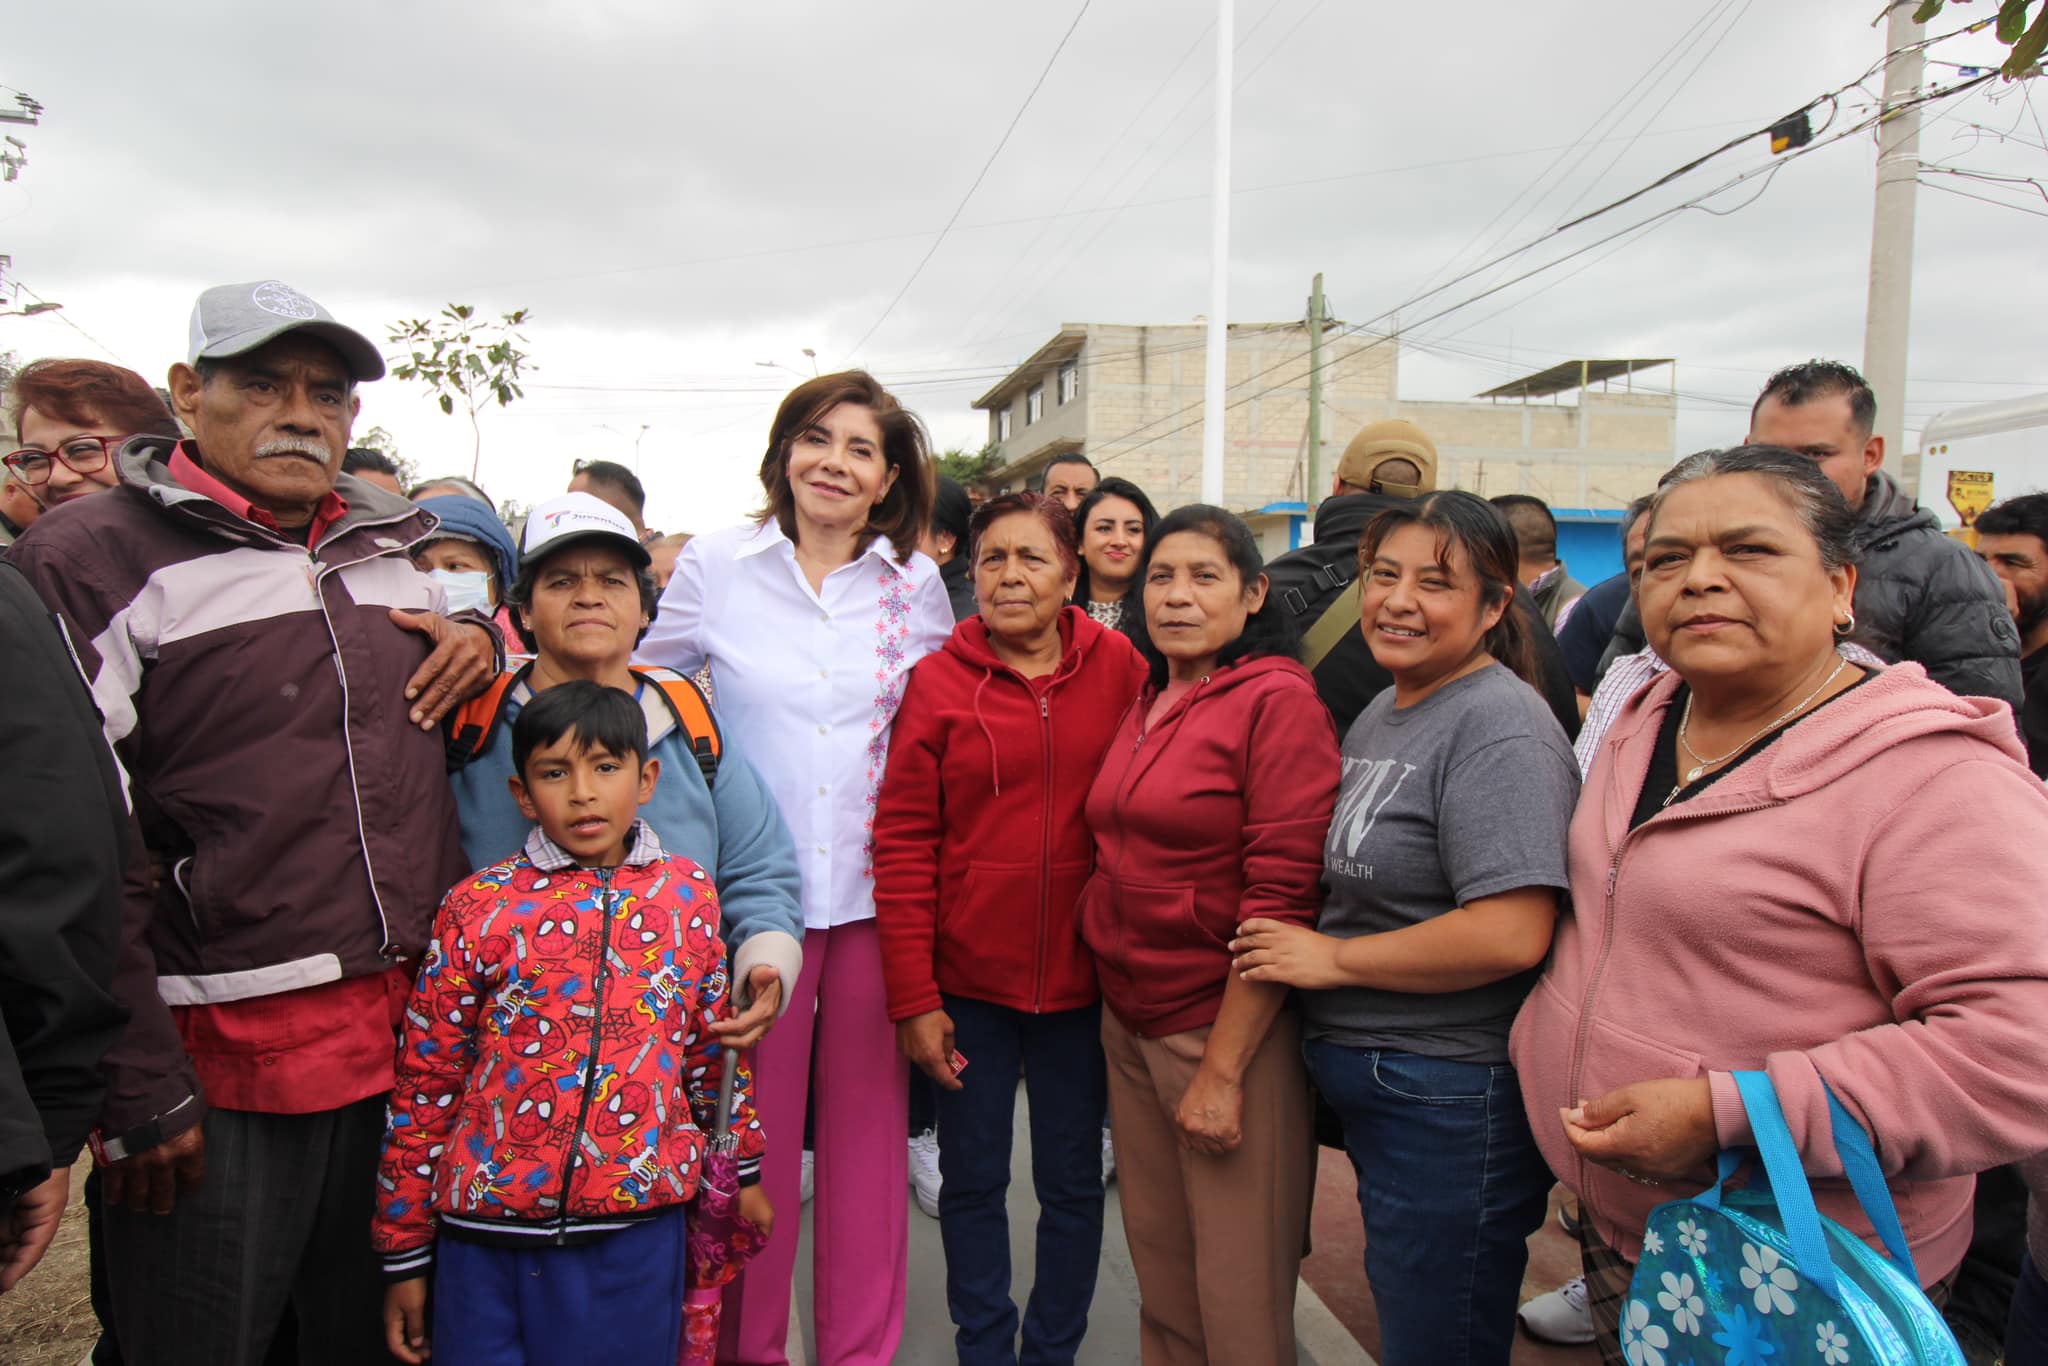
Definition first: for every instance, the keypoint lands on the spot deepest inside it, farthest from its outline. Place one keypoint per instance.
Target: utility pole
(1315, 392)
(1217, 358)
(1891, 228)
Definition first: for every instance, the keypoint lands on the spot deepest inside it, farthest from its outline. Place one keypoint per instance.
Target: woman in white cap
(810, 619)
(581, 598)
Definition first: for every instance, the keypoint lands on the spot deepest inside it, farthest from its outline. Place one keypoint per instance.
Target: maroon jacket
(1216, 814)
(980, 846)
(254, 692)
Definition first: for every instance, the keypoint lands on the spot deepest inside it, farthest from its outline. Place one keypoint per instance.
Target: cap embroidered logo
(275, 296)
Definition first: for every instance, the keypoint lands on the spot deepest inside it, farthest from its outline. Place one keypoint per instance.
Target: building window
(1070, 381)
(1034, 404)
(1003, 423)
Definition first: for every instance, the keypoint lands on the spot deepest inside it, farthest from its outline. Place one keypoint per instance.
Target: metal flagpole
(1217, 359)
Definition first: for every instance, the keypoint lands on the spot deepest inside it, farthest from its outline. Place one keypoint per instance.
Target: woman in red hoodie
(1210, 808)
(980, 854)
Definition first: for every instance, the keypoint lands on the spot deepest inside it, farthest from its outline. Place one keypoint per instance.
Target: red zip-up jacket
(980, 844)
(556, 1058)
(1212, 816)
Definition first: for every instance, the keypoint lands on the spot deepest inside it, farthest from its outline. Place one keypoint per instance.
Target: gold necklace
(1702, 764)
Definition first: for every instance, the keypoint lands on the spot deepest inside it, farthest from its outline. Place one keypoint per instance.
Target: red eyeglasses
(79, 454)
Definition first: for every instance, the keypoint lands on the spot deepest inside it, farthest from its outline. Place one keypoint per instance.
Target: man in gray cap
(271, 669)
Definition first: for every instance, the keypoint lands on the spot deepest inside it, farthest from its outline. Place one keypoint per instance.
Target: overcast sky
(680, 192)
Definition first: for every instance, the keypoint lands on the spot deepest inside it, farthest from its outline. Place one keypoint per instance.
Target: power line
(1060, 254)
(1677, 87)
(66, 319)
(974, 314)
(1070, 253)
(961, 207)
(1696, 202)
(1564, 153)
(1984, 199)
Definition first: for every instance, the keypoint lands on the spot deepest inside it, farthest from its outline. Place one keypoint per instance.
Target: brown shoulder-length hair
(90, 393)
(1467, 520)
(906, 508)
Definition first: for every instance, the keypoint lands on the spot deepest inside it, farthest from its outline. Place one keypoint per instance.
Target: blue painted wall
(1589, 543)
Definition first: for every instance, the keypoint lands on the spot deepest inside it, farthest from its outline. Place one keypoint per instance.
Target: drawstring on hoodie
(994, 764)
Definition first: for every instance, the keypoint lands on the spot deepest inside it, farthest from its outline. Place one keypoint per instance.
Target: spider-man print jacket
(556, 1080)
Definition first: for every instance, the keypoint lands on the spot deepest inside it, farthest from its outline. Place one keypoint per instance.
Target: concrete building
(1130, 399)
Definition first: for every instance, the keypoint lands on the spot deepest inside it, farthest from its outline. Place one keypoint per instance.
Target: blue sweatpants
(618, 1300)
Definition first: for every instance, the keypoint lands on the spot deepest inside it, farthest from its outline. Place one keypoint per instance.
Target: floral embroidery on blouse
(892, 635)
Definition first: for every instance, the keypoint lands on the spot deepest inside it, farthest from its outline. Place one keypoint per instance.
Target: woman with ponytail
(1442, 874)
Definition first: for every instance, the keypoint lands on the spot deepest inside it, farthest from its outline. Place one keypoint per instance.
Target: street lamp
(42, 306)
(809, 354)
(637, 436)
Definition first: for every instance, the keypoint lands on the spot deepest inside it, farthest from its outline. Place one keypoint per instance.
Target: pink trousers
(858, 1217)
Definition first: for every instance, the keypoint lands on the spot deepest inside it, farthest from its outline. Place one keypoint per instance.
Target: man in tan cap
(1386, 464)
(1394, 458)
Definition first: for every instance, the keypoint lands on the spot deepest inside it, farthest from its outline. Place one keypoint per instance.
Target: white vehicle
(1986, 453)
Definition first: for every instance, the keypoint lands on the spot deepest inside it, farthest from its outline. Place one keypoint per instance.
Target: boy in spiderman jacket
(555, 1075)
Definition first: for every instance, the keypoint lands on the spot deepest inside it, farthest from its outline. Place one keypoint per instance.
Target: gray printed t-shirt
(1464, 795)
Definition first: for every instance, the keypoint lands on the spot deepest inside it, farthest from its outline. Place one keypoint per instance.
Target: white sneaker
(1561, 1316)
(1108, 1158)
(808, 1181)
(924, 1171)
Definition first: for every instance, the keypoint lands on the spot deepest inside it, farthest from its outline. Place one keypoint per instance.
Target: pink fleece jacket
(1863, 902)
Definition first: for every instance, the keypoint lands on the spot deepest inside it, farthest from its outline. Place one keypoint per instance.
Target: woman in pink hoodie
(1784, 861)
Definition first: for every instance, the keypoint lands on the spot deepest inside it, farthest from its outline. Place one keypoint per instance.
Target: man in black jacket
(1920, 595)
(1386, 464)
(2013, 539)
(61, 832)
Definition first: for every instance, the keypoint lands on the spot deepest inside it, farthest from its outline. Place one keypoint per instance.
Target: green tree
(968, 469)
(467, 359)
(2026, 40)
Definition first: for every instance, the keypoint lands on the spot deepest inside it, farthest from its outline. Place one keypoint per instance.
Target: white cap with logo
(573, 517)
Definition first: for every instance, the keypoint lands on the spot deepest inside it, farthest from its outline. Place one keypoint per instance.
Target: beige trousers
(1216, 1241)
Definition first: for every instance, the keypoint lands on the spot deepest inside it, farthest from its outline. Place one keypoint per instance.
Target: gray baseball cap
(233, 320)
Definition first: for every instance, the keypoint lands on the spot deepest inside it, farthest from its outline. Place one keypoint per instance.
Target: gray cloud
(679, 193)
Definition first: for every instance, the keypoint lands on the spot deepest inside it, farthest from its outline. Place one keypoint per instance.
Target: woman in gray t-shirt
(1442, 873)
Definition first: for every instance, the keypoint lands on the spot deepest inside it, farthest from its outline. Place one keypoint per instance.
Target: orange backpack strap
(693, 715)
(473, 723)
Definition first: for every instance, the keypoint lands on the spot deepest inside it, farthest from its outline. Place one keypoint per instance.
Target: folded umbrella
(719, 1240)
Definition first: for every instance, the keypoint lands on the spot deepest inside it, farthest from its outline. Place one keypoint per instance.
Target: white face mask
(467, 590)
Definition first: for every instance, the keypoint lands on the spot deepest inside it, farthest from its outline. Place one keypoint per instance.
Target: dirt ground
(47, 1319)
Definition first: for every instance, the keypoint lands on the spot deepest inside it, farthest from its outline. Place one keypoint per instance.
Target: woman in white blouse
(810, 620)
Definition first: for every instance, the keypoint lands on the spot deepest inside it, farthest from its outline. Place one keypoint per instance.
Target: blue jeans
(2026, 1332)
(1450, 1185)
(1059, 1056)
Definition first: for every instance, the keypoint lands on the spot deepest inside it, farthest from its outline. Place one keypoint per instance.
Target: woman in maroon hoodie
(980, 853)
(1210, 809)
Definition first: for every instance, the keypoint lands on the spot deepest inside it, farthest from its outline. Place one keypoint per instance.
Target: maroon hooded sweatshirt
(1214, 815)
(980, 845)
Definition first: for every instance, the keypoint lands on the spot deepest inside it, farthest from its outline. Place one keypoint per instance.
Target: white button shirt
(808, 684)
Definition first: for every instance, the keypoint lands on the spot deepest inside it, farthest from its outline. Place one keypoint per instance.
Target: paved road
(1113, 1326)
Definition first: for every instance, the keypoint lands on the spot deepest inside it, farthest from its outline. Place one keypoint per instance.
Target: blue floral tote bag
(1757, 1277)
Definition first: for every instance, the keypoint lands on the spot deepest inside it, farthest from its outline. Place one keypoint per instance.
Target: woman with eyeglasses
(70, 420)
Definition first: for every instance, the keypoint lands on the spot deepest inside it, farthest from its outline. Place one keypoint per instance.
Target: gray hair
(1635, 512)
(1811, 495)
